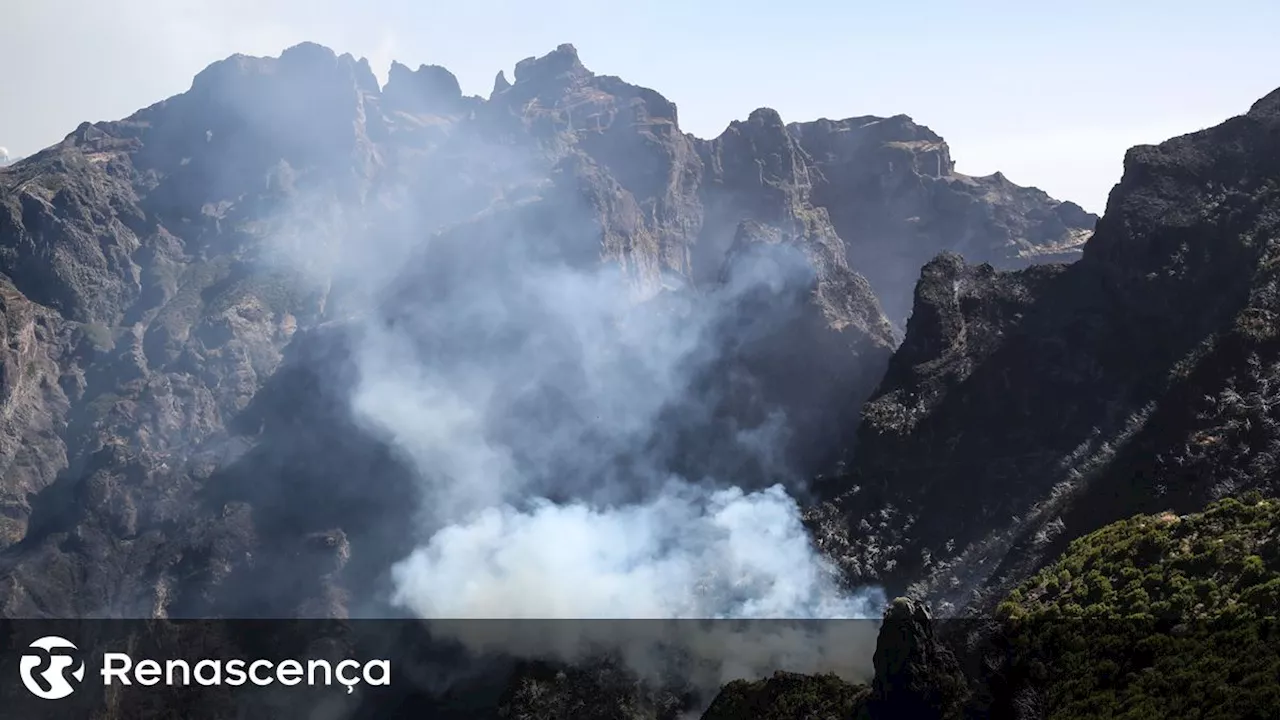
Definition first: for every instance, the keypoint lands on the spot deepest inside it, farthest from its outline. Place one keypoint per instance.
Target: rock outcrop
(916, 675)
(788, 695)
(893, 195)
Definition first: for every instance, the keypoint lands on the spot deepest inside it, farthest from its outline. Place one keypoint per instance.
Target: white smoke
(533, 396)
(499, 547)
(689, 553)
(616, 543)
(4, 156)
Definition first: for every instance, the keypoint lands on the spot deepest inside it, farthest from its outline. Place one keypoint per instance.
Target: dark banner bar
(396, 668)
(665, 670)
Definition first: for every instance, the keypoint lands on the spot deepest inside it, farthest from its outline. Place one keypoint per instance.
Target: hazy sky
(1050, 93)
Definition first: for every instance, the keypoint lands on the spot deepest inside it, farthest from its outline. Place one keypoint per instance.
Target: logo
(52, 668)
(45, 672)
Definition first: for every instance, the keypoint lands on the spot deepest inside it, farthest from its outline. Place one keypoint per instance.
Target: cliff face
(896, 200)
(1026, 408)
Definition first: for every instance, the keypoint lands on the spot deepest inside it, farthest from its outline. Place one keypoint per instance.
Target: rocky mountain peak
(1146, 246)
(916, 675)
(781, 172)
(308, 53)
(558, 65)
(365, 79)
(309, 98)
(767, 117)
(305, 62)
(912, 612)
(429, 89)
(1268, 105)
(500, 83)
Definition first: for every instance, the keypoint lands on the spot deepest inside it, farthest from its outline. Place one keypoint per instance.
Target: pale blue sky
(1050, 93)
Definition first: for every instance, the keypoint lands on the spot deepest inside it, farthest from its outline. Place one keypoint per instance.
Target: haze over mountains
(175, 254)
(293, 344)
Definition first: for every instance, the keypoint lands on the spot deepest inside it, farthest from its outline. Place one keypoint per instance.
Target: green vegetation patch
(1157, 616)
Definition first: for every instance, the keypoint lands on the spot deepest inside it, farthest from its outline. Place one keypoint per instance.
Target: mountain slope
(1026, 408)
(160, 269)
(1154, 616)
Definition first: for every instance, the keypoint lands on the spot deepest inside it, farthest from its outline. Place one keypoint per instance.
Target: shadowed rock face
(916, 675)
(1024, 409)
(893, 195)
(788, 695)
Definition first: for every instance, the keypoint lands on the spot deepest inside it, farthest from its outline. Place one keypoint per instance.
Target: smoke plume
(530, 398)
(540, 395)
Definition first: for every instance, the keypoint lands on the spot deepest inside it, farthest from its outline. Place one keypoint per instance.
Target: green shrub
(1158, 617)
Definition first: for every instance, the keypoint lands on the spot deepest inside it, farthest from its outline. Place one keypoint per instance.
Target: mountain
(179, 287)
(1074, 463)
(894, 197)
(1025, 409)
(294, 344)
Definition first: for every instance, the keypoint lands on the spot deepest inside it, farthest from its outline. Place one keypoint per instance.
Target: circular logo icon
(45, 672)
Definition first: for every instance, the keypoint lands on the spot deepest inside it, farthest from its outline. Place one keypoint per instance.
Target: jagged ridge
(1027, 408)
